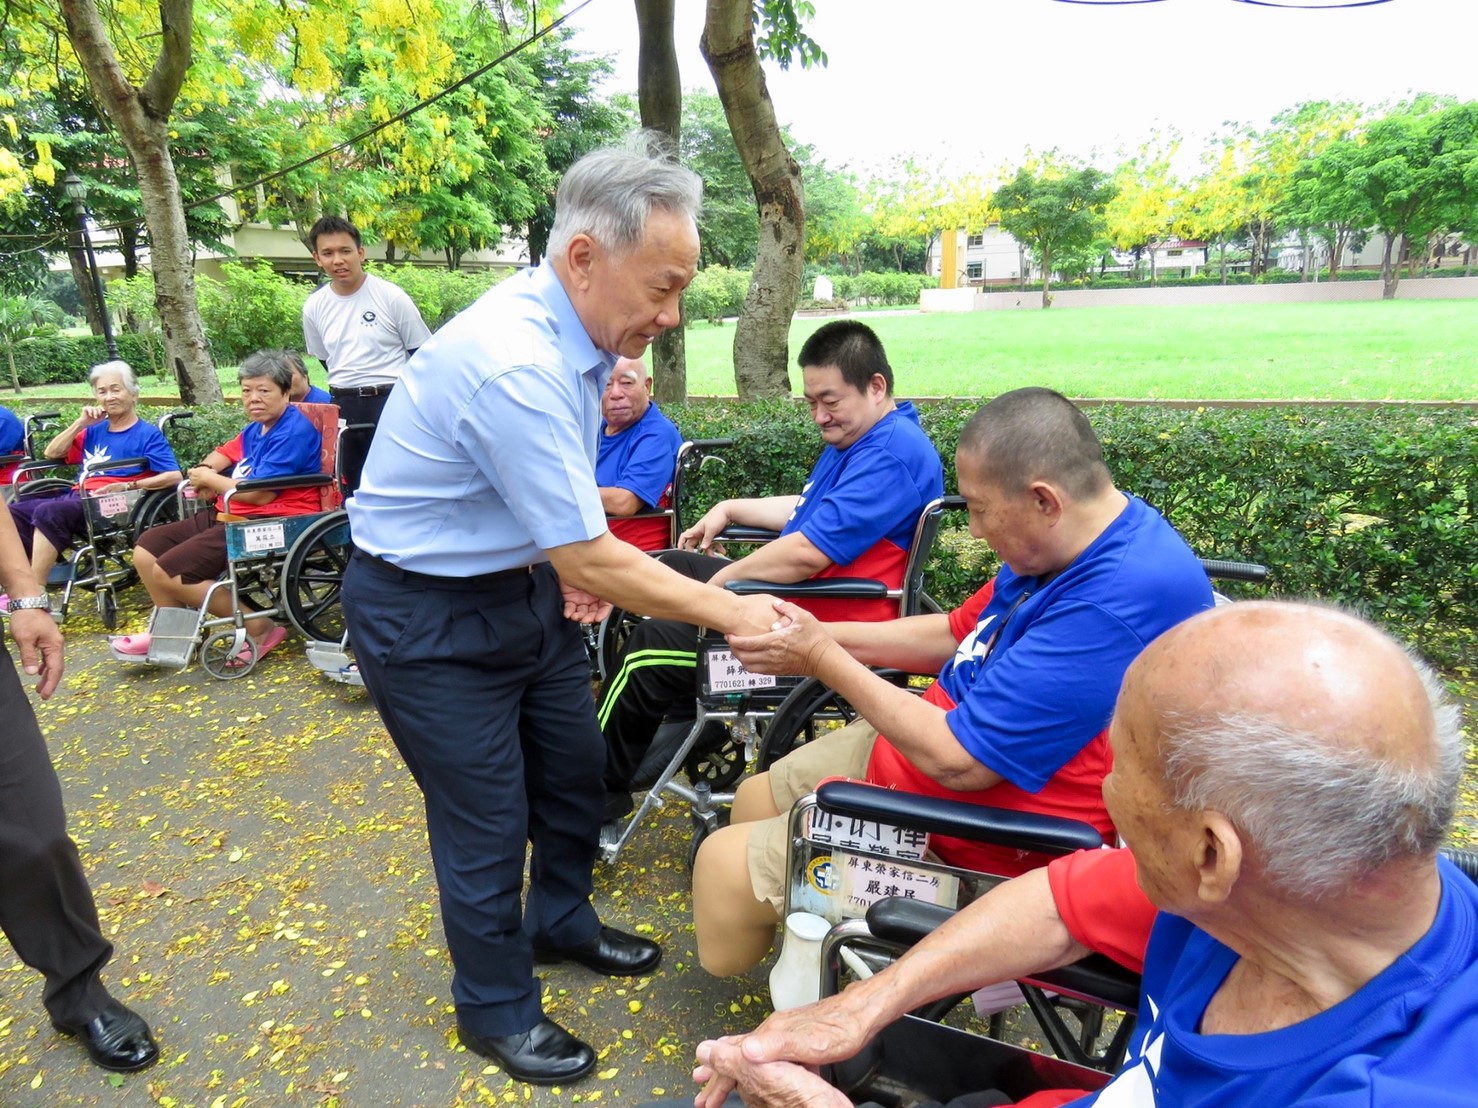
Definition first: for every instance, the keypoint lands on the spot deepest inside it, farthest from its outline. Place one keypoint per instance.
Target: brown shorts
(194, 549)
(843, 753)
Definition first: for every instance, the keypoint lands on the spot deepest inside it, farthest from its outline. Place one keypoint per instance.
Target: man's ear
(1047, 499)
(579, 258)
(1218, 857)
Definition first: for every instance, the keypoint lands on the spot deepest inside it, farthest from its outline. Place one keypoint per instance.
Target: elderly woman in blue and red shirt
(179, 561)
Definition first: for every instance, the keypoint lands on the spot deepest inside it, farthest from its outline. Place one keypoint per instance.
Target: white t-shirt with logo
(362, 338)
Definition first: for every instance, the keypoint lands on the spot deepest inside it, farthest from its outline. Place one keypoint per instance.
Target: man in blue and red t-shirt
(637, 456)
(854, 517)
(1028, 667)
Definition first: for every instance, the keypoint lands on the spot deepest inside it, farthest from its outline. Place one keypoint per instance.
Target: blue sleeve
(12, 432)
(647, 470)
(297, 450)
(1040, 700)
(158, 451)
(874, 498)
(523, 430)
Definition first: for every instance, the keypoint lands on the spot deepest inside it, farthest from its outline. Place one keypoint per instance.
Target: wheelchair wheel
(813, 708)
(312, 576)
(157, 508)
(43, 487)
(215, 653)
(107, 608)
(719, 761)
(611, 641)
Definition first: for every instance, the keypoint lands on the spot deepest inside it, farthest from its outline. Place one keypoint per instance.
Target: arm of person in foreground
(604, 570)
(919, 730)
(34, 631)
(1013, 931)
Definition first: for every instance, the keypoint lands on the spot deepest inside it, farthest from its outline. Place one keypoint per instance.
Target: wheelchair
(605, 641)
(99, 560)
(746, 704)
(919, 1058)
(36, 425)
(257, 548)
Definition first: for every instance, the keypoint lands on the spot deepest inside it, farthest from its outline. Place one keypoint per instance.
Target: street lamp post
(76, 191)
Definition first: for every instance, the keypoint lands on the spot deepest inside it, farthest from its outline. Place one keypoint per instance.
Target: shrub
(716, 292)
(250, 308)
(1373, 508)
(66, 359)
(437, 293)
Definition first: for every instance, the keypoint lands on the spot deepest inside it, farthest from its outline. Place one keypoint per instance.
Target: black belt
(455, 584)
(362, 390)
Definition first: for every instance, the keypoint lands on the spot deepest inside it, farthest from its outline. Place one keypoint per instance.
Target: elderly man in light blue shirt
(479, 527)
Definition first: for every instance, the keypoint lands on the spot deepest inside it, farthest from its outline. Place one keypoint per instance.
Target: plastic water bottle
(192, 500)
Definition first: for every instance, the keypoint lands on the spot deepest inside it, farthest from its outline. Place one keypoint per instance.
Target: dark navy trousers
(485, 689)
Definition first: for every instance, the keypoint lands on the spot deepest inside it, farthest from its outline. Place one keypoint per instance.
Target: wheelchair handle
(709, 444)
(959, 819)
(42, 417)
(174, 417)
(1220, 570)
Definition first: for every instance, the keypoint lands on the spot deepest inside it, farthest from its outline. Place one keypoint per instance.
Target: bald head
(627, 395)
(1330, 747)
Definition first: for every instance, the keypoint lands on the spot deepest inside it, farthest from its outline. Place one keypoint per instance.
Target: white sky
(974, 83)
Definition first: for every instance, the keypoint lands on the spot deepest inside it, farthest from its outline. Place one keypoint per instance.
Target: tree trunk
(141, 116)
(1046, 279)
(77, 258)
(1336, 251)
(1389, 276)
(15, 377)
(659, 94)
(762, 338)
(1222, 251)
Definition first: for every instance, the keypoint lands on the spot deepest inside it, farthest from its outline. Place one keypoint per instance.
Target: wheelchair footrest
(334, 662)
(173, 635)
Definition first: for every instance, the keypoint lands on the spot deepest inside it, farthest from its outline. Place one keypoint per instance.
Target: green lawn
(1396, 350)
(1407, 350)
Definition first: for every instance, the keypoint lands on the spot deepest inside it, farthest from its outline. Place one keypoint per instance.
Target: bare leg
(734, 930)
(753, 800)
(43, 558)
(173, 592)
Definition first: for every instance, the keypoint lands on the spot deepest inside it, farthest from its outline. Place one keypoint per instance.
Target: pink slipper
(131, 644)
(259, 650)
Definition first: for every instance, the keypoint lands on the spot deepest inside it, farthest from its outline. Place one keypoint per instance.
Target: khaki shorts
(843, 753)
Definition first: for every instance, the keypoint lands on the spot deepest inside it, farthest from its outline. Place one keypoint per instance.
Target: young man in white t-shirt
(361, 327)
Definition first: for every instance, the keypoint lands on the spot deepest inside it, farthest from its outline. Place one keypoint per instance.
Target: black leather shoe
(612, 952)
(546, 1054)
(618, 806)
(118, 1039)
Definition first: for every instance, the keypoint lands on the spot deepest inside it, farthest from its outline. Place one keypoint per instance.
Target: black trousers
(357, 409)
(46, 909)
(485, 689)
(655, 679)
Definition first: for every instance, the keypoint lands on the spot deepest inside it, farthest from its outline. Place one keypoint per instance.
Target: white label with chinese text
(866, 880)
(263, 536)
(866, 836)
(726, 673)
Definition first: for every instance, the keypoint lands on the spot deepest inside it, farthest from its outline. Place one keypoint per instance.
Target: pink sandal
(131, 644)
(254, 651)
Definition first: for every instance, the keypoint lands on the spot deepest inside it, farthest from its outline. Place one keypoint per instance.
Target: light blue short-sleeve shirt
(484, 456)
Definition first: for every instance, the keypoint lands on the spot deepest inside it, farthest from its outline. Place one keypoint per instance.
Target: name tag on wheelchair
(111, 504)
(866, 837)
(258, 537)
(863, 881)
(726, 673)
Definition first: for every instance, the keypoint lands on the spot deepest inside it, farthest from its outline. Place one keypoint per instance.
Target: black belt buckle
(362, 390)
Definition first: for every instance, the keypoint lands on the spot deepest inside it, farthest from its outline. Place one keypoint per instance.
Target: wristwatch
(18, 603)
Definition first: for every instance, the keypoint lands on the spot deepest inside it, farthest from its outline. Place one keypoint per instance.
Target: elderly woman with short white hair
(109, 428)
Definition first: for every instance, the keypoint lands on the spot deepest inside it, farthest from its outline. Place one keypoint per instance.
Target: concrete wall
(1436, 288)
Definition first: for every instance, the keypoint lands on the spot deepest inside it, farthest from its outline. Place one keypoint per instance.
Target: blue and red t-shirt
(860, 505)
(1031, 688)
(641, 460)
(139, 440)
(291, 448)
(12, 441)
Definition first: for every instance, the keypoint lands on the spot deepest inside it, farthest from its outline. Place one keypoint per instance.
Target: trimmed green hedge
(60, 359)
(1372, 508)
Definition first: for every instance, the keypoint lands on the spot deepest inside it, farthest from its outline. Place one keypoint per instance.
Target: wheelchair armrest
(40, 465)
(839, 588)
(294, 481)
(102, 465)
(896, 919)
(7, 459)
(1219, 570)
(958, 819)
(735, 533)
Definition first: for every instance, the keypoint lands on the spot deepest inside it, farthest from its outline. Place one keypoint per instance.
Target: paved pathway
(258, 855)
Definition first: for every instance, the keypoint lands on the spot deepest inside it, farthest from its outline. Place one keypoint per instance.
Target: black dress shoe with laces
(546, 1054)
(613, 953)
(117, 1039)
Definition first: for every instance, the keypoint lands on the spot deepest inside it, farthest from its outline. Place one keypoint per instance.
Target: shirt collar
(579, 348)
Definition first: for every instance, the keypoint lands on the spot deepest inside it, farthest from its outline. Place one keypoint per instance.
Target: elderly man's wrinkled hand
(723, 1067)
(582, 606)
(793, 642)
(700, 536)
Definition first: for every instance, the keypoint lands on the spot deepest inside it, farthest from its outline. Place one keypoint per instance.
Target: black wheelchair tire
(157, 508)
(312, 577)
(794, 721)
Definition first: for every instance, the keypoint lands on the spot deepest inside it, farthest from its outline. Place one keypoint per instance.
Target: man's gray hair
(271, 364)
(609, 193)
(1319, 815)
(124, 371)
